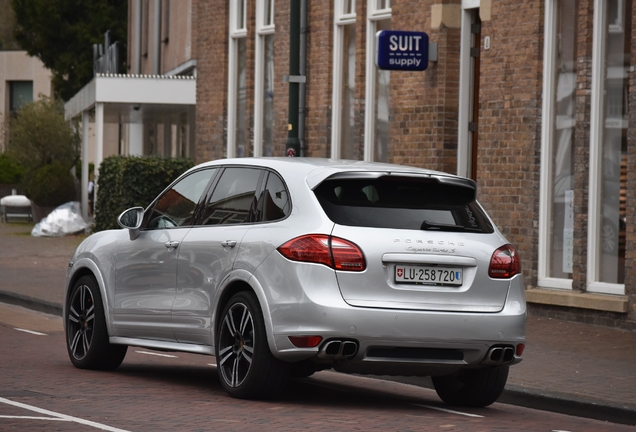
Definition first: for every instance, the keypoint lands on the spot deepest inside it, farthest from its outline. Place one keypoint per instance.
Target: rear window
(404, 203)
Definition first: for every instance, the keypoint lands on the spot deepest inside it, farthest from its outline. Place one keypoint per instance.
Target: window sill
(602, 302)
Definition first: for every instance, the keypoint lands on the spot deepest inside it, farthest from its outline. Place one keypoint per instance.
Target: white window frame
(618, 26)
(464, 154)
(235, 33)
(384, 13)
(341, 19)
(594, 236)
(547, 143)
(373, 16)
(263, 29)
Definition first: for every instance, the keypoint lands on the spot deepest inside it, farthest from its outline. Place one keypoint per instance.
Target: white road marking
(62, 416)
(31, 332)
(448, 410)
(33, 418)
(156, 354)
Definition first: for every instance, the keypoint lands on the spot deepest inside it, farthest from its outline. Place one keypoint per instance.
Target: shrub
(40, 136)
(129, 181)
(10, 171)
(50, 185)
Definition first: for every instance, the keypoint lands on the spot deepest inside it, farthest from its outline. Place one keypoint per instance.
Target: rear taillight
(505, 263)
(520, 349)
(333, 252)
(305, 341)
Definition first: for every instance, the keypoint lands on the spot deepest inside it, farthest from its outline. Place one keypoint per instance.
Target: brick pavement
(590, 366)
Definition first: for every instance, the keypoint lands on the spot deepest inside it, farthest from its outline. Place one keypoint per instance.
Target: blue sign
(401, 50)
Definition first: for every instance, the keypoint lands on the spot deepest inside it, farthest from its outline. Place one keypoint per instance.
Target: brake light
(334, 252)
(505, 263)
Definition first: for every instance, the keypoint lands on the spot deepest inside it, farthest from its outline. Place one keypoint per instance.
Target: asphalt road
(41, 391)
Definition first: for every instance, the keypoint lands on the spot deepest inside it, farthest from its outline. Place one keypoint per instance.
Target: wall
(18, 66)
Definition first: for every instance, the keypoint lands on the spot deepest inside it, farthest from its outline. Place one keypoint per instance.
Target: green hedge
(129, 181)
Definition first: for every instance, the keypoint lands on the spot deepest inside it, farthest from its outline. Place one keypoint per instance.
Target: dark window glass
(403, 203)
(20, 94)
(176, 206)
(274, 203)
(233, 199)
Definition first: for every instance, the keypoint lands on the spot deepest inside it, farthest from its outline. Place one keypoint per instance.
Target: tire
(86, 331)
(472, 387)
(246, 367)
(302, 369)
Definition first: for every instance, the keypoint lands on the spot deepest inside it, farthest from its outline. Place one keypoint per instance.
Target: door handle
(171, 244)
(228, 243)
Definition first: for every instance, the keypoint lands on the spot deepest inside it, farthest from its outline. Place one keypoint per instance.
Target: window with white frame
(557, 227)
(237, 81)
(611, 63)
(377, 87)
(264, 73)
(344, 141)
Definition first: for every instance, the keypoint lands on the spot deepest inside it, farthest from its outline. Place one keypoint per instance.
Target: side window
(233, 199)
(274, 201)
(176, 206)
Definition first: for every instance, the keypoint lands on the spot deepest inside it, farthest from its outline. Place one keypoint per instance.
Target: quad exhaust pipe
(500, 355)
(338, 349)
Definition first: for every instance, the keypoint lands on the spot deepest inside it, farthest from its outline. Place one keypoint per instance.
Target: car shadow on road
(324, 390)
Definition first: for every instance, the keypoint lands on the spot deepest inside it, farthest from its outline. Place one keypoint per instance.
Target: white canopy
(134, 100)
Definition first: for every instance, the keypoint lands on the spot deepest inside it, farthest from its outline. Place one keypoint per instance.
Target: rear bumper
(319, 309)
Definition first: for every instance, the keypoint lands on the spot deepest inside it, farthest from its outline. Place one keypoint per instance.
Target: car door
(208, 251)
(146, 267)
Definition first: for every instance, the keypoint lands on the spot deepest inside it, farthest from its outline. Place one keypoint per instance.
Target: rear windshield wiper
(426, 225)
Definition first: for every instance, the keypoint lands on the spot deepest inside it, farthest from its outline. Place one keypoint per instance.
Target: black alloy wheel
(86, 331)
(246, 367)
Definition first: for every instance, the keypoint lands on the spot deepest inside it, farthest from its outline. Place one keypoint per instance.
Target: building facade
(535, 100)
(148, 108)
(23, 79)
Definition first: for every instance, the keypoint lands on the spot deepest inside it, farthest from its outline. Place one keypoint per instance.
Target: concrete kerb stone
(31, 303)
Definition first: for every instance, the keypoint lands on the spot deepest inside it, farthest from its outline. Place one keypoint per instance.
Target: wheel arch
(87, 267)
(249, 284)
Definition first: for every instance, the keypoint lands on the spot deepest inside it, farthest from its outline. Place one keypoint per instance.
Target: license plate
(429, 275)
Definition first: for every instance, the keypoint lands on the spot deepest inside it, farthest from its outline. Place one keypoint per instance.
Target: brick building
(539, 115)
(532, 99)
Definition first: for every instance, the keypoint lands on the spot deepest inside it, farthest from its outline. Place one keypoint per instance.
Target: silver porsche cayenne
(282, 267)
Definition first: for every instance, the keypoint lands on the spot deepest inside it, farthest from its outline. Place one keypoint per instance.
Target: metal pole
(293, 144)
(303, 72)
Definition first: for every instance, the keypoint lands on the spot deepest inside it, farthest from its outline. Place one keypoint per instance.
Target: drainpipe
(293, 144)
(303, 73)
(136, 66)
(156, 43)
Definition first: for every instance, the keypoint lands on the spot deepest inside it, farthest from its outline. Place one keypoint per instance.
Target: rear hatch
(426, 241)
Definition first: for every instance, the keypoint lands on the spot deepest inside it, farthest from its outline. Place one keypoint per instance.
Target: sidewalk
(568, 367)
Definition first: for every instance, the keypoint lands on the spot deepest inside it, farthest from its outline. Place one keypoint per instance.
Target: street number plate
(429, 275)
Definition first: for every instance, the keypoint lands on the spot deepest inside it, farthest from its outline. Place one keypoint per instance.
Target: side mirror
(131, 219)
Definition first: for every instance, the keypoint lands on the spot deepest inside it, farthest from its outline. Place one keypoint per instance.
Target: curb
(31, 303)
(573, 405)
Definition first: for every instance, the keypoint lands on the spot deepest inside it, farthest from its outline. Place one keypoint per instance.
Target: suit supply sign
(401, 50)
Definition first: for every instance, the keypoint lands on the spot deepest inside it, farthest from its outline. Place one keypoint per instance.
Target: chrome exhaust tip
(500, 355)
(338, 349)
